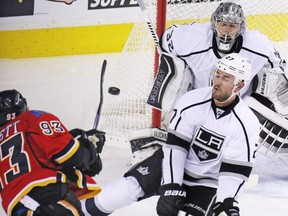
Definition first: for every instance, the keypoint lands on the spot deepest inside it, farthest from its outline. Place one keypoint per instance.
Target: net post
(161, 26)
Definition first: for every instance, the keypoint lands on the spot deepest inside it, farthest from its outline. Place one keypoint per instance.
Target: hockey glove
(172, 198)
(95, 164)
(97, 138)
(94, 136)
(227, 208)
(94, 168)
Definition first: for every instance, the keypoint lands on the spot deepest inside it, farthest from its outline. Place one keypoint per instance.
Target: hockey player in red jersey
(39, 157)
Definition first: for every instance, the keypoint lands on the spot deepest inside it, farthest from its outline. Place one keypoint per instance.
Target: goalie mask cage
(134, 73)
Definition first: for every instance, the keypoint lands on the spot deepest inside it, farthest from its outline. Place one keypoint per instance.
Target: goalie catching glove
(272, 83)
(269, 102)
(93, 140)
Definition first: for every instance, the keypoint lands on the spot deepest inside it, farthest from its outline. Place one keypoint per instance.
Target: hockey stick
(97, 117)
(149, 22)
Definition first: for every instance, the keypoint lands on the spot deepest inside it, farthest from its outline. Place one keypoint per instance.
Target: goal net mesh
(134, 72)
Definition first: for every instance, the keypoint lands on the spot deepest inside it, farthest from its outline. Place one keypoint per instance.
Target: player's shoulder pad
(187, 38)
(37, 113)
(195, 36)
(256, 41)
(193, 97)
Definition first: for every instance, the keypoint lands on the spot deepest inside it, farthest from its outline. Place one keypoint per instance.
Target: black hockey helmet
(12, 104)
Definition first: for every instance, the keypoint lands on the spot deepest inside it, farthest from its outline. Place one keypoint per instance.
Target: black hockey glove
(227, 206)
(94, 168)
(95, 164)
(172, 198)
(98, 138)
(94, 136)
(78, 133)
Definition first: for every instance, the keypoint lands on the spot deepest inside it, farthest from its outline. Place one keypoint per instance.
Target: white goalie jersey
(196, 47)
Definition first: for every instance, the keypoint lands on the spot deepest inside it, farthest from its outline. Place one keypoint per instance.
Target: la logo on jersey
(207, 145)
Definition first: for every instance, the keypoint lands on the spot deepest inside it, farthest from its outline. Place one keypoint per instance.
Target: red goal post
(160, 28)
(138, 62)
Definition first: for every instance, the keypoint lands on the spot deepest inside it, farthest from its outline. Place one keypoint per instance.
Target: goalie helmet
(12, 104)
(237, 66)
(231, 14)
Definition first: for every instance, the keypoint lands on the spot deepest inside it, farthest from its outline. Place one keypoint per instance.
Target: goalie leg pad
(147, 138)
(145, 142)
(148, 173)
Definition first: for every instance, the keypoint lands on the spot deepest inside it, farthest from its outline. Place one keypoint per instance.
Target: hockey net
(134, 72)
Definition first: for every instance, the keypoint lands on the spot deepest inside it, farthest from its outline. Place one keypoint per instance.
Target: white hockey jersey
(210, 146)
(194, 43)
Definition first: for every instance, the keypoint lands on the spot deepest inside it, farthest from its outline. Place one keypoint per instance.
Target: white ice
(68, 87)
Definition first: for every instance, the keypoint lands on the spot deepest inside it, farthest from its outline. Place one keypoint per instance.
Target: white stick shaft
(148, 21)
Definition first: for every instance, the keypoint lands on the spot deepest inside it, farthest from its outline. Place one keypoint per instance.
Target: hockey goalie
(186, 53)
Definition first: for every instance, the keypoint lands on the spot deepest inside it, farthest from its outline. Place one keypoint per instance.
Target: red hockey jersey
(32, 148)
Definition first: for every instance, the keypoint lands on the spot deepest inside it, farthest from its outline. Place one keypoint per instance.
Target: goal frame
(161, 26)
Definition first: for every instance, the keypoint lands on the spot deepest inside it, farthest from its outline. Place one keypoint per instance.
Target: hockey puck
(114, 90)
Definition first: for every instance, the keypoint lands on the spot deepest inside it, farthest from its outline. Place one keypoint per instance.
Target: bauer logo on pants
(207, 145)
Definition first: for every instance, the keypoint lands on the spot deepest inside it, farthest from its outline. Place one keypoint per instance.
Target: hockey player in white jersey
(187, 53)
(225, 132)
(210, 147)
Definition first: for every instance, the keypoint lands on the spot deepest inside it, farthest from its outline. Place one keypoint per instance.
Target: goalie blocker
(174, 78)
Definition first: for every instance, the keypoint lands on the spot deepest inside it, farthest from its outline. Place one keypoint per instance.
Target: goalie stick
(149, 22)
(97, 117)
